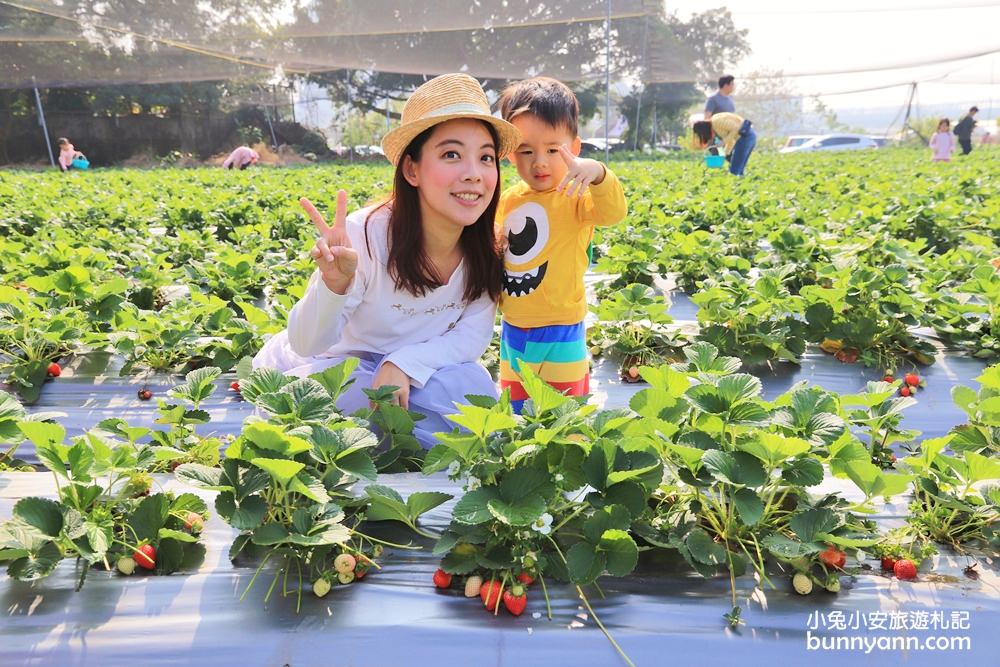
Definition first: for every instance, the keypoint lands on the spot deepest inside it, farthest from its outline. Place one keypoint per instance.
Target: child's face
(942, 127)
(537, 158)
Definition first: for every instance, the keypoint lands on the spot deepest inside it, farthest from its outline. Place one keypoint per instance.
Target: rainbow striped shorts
(557, 353)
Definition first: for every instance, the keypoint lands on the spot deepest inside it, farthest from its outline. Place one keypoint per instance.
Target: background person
(721, 102)
(942, 142)
(67, 153)
(737, 136)
(242, 157)
(964, 128)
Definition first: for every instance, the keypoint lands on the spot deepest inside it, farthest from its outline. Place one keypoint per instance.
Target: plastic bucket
(715, 161)
(80, 163)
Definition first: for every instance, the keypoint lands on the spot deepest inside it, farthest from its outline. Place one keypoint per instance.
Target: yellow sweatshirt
(547, 234)
(727, 127)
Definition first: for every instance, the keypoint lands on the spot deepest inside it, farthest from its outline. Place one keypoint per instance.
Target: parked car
(796, 140)
(596, 145)
(833, 142)
(879, 141)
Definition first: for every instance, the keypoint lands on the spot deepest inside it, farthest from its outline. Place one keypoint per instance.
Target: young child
(67, 153)
(942, 143)
(548, 223)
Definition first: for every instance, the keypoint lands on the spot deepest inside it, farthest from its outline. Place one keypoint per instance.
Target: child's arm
(605, 203)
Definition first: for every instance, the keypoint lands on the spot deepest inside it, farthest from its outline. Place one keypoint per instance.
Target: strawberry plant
(755, 320)
(878, 412)
(951, 505)
(11, 413)
(550, 493)
(736, 491)
(634, 328)
(982, 432)
(287, 484)
(100, 514)
(866, 313)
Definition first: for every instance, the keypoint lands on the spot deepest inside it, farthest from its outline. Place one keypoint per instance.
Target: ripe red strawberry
(833, 557)
(361, 570)
(905, 391)
(145, 556)
(489, 593)
(441, 578)
(846, 356)
(145, 394)
(888, 563)
(888, 378)
(515, 600)
(525, 578)
(912, 379)
(905, 569)
(235, 386)
(54, 370)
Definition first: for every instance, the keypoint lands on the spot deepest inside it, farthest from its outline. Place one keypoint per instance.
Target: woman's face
(457, 173)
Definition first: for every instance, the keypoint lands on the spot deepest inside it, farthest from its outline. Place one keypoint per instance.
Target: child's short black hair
(726, 79)
(548, 99)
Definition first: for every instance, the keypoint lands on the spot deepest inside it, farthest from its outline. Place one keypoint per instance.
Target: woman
(410, 286)
(736, 134)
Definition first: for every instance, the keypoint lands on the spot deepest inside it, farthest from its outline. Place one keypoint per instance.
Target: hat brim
(394, 143)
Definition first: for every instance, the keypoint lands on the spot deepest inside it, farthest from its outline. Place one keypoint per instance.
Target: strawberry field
(795, 414)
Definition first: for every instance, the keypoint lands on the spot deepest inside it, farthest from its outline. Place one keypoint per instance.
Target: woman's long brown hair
(408, 264)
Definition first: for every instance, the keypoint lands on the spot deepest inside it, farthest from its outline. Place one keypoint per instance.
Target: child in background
(67, 153)
(548, 223)
(942, 143)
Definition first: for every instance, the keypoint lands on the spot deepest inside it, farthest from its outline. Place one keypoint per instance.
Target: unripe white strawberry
(321, 587)
(802, 584)
(345, 577)
(126, 565)
(472, 586)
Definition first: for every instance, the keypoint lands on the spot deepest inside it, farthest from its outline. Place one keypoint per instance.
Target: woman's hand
(336, 259)
(389, 374)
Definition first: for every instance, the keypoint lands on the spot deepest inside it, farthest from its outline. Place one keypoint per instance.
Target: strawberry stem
(603, 629)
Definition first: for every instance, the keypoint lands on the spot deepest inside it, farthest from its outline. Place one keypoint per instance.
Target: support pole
(45, 128)
(607, 83)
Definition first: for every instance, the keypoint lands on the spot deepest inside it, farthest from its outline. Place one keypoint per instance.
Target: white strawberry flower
(473, 483)
(543, 524)
(453, 468)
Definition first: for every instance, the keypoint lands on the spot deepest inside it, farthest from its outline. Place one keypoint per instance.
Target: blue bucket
(80, 163)
(715, 161)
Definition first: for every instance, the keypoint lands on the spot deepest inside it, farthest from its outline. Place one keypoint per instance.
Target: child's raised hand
(336, 259)
(580, 172)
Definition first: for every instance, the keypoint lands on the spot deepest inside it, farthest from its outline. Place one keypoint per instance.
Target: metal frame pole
(41, 121)
(607, 82)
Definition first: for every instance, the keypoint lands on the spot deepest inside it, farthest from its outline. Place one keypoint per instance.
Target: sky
(805, 37)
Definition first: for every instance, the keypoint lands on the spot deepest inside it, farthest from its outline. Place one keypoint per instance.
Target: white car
(833, 142)
(796, 140)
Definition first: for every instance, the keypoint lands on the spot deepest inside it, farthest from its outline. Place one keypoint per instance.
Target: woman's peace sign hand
(336, 259)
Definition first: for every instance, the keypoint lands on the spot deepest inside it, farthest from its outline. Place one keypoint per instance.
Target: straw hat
(444, 98)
